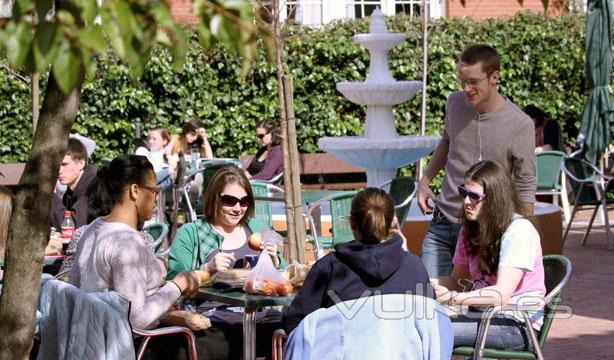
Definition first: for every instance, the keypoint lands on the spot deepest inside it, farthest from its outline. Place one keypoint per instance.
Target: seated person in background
(548, 134)
(499, 252)
(112, 256)
(90, 146)
(193, 134)
(375, 261)
(76, 174)
(158, 153)
(219, 240)
(6, 207)
(268, 161)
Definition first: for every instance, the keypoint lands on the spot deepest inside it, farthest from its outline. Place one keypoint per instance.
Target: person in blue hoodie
(375, 262)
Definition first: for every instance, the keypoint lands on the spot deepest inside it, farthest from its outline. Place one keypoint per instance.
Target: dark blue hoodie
(355, 270)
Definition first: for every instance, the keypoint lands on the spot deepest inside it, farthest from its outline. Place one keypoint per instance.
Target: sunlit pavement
(589, 332)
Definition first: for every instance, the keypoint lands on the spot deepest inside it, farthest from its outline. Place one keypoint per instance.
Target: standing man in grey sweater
(481, 124)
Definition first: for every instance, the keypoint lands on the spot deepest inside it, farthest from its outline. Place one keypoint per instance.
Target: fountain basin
(379, 93)
(384, 41)
(381, 157)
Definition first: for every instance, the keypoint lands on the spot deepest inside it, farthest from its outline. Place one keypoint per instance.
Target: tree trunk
(29, 227)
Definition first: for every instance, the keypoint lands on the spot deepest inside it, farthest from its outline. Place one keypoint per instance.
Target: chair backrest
(557, 271)
(581, 175)
(158, 232)
(391, 326)
(263, 210)
(402, 191)
(548, 169)
(340, 206)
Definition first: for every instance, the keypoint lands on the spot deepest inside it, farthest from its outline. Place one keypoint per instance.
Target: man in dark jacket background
(76, 174)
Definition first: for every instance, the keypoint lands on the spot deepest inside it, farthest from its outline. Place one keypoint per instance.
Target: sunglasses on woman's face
(261, 136)
(473, 196)
(230, 201)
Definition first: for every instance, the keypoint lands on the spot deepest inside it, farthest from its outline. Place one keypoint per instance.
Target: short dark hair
(537, 114)
(223, 177)
(486, 54)
(124, 171)
(76, 150)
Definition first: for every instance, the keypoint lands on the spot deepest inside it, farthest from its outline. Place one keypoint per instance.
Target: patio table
(251, 303)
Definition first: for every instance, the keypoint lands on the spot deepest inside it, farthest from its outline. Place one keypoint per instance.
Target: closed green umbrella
(597, 113)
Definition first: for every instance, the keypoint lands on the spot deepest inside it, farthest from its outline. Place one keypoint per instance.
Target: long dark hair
(122, 172)
(498, 209)
(223, 177)
(371, 215)
(271, 127)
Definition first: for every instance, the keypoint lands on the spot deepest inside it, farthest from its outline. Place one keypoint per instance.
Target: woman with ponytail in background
(375, 261)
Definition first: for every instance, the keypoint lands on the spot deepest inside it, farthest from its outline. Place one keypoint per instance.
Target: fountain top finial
(378, 23)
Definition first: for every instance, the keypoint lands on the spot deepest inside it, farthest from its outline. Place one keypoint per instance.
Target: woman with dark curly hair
(499, 253)
(268, 161)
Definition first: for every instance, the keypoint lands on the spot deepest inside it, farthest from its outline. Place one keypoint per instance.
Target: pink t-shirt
(520, 248)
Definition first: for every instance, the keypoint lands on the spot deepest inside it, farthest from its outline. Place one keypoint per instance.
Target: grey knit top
(112, 256)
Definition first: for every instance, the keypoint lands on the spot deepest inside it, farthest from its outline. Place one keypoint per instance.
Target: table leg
(249, 334)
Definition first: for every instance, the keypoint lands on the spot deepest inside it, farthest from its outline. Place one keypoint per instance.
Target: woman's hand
(203, 134)
(271, 249)
(187, 282)
(444, 296)
(220, 262)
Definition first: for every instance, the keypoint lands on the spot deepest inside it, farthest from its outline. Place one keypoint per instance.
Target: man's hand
(424, 194)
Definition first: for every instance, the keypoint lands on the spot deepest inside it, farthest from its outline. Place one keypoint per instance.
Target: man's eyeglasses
(473, 196)
(154, 189)
(261, 136)
(471, 82)
(230, 201)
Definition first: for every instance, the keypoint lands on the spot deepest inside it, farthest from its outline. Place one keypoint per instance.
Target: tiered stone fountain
(380, 150)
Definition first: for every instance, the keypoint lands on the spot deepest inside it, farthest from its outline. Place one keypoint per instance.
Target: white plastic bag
(264, 279)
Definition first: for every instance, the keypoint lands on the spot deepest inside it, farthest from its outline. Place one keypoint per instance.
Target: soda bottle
(67, 227)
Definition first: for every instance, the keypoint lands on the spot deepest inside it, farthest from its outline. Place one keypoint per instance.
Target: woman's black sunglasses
(230, 201)
(261, 136)
(473, 196)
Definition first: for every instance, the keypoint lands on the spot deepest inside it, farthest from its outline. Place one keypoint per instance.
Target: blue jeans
(504, 332)
(438, 246)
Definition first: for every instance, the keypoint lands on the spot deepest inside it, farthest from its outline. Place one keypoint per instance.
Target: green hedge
(542, 64)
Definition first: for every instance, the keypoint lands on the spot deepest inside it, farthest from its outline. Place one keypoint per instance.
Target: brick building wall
(182, 11)
(485, 9)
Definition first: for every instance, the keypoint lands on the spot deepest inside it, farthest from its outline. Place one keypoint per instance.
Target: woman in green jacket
(219, 240)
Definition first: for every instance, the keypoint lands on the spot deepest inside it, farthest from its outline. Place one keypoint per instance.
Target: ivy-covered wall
(542, 64)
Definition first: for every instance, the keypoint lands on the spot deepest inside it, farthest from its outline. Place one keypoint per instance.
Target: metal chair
(159, 232)
(341, 231)
(551, 179)
(557, 271)
(589, 186)
(169, 330)
(402, 189)
(56, 289)
(263, 209)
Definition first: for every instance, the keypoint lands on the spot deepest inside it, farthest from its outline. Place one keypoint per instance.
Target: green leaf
(90, 11)
(92, 37)
(46, 45)
(17, 42)
(43, 7)
(66, 66)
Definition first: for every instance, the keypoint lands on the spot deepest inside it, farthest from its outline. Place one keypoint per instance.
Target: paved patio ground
(589, 333)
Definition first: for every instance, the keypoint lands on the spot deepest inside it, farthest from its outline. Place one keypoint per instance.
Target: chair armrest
(279, 336)
(162, 331)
